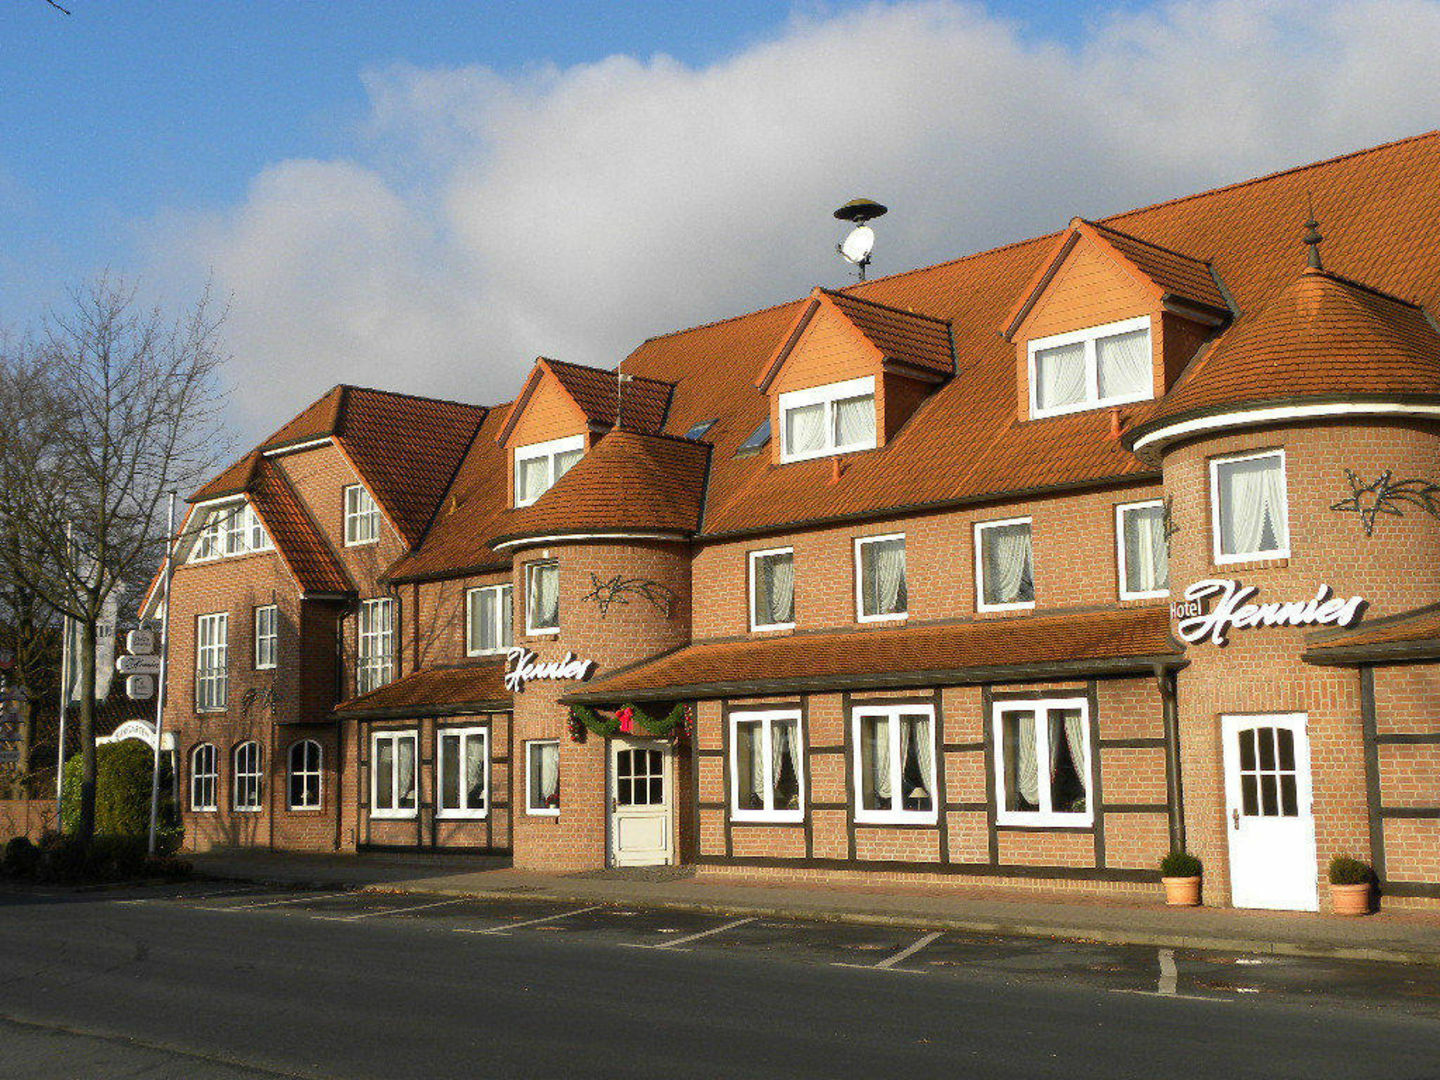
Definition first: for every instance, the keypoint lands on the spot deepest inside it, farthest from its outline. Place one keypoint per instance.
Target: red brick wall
(31, 818)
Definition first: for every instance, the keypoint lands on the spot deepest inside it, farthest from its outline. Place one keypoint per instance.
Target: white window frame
(766, 717)
(210, 776)
(374, 646)
(267, 641)
(549, 451)
(530, 570)
(228, 531)
(1283, 552)
(754, 558)
(1042, 818)
(396, 736)
(980, 527)
(358, 513)
(291, 773)
(505, 629)
(893, 616)
(1120, 565)
(895, 816)
(217, 650)
(826, 395)
(530, 809)
(257, 773)
(1088, 337)
(464, 735)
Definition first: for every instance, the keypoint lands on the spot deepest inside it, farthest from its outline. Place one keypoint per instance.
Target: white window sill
(542, 813)
(304, 809)
(246, 809)
(393, 815)
(362, 543)
(893, 617)
(1089, 406)
(896, 817)
(762, 817)
(265, 667)
(204, 809)
(1036, 820)
(1024, 605)
(1154, 595)
(490, 652)
(829, 451)
(211, 709)
(532, 632)
(461, 815)
(756, 628)
(1251, 557)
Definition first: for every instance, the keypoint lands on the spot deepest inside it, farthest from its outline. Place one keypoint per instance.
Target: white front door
(1269, 813)
(640, 801)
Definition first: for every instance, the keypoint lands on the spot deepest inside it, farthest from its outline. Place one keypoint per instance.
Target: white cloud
(482, 219)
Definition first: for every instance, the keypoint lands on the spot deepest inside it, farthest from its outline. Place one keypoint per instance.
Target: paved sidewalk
(1399, 937)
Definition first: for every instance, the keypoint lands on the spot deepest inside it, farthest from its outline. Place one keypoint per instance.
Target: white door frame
(1272, 855)
(645, 816)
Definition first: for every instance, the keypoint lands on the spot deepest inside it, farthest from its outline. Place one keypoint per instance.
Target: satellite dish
(859, 244)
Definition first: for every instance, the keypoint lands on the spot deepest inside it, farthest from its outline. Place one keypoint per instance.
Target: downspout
(1168, 686)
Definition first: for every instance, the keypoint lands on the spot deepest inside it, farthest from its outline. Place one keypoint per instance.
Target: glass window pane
(565, 461)
(533, 479)
(1146, 550)
(1249, 795)
(1289, 802)
(1251, 495)
(1247, 749)
(405, 774)
(1007, 566)
(785, 768)
(1266, 739)
(805, 429)
(449, 772)
(489, 619)
(506, 616)
(882, 566)
(1269, 795)
(1021, 777)
(774, 589)
(749, 766)
(1068, 768)
(855, 421)
(916, 763)
(1059, 376)
(544, 596)
(1286, 739)
(875, 786)
(475, 772)
(657, 791)
(385, 774)
(1125, 364)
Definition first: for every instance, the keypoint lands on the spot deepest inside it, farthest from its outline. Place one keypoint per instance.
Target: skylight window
(758, 438)
(699, 430)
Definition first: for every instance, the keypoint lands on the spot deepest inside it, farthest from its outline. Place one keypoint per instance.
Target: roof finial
(1312, 236)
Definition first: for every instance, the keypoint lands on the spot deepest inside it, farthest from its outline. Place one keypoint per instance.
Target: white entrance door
(1269, 812)
(640, 803)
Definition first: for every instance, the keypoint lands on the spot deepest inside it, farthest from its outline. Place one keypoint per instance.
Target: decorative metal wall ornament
(259, 699)
(1168, 525)
(618, 590)
(1384, 496)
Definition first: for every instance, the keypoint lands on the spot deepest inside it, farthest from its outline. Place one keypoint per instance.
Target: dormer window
(1087, 369)
(230, 530)
(824, 420)
(540, 465)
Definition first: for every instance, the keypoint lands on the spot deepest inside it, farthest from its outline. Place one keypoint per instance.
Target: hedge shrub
(122, 794)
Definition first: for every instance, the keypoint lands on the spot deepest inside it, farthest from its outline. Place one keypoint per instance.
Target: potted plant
(1351, 880)
(1180, 873)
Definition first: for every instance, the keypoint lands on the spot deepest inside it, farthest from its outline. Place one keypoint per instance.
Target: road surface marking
(502, 930)
(389, 911)
(275, 903)
(690, 937)
(1175, 997)
(191, 896)
(888, 964)
(1167, 973)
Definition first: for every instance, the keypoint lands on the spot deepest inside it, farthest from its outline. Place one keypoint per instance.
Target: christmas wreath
(628, 720)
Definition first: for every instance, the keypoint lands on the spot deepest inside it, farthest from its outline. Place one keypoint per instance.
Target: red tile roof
(447, 691)
(989, 650)
(297, 538)
(1319, 336)
(1410, 635)
(1173, 273)
(627, 482)
(644, 402)
(234, 480)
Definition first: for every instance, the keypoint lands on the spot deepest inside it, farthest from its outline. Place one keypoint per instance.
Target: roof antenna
(856, 247)
(1312, 236)
(620, 380)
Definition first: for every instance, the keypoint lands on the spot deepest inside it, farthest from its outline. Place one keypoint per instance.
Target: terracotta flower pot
(1351, 899)
(1182, 891)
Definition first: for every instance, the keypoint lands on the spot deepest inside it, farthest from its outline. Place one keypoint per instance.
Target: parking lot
(886, 951)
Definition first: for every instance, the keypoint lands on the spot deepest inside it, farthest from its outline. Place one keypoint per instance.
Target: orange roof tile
(297, 538)
(1410, 635)
(317, 420)
(978, 650)
(234, 480)
(447, 691)
(1175, 274)
(1319, 336)
(627, 482)
(597, 393)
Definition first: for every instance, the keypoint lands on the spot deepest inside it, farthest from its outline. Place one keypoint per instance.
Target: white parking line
(389, 911)
(690, 937)
(275, 903)
(503, 930)
(888, 964)
(189, 896)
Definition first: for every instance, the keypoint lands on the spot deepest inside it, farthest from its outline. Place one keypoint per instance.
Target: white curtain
(1075, 739)
(782, 589)
(1008, 575)
(1147, 555)
(888, 574)
(565, 461)
(1027, 776)
(475, 772)
(1060, 376)
(1125, 364)
(545, 597)
(549, 773)
(855, 421)
(1252, 505)
(880, 756)
(406, 785)
(757, 761)
(534, 478)
(925, 757)
(482, 632)
(805, 429)
(780, 748)
(384, 775)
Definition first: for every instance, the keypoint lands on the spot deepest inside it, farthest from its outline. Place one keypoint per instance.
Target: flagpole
(160, 680)
(64, 706)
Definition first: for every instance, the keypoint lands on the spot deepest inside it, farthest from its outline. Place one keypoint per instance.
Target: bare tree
(103, 413)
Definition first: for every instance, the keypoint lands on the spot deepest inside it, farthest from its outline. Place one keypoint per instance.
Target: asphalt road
(205, 982)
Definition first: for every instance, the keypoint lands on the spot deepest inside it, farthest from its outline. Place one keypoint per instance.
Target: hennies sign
(1215, 606)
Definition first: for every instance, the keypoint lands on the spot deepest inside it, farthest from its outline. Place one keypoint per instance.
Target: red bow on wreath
(626, 716)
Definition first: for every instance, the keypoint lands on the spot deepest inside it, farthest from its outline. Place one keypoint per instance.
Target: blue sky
(424, 194)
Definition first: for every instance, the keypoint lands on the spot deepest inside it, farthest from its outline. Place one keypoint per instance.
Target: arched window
(305, 775)
(247, 777)
(204, 777)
